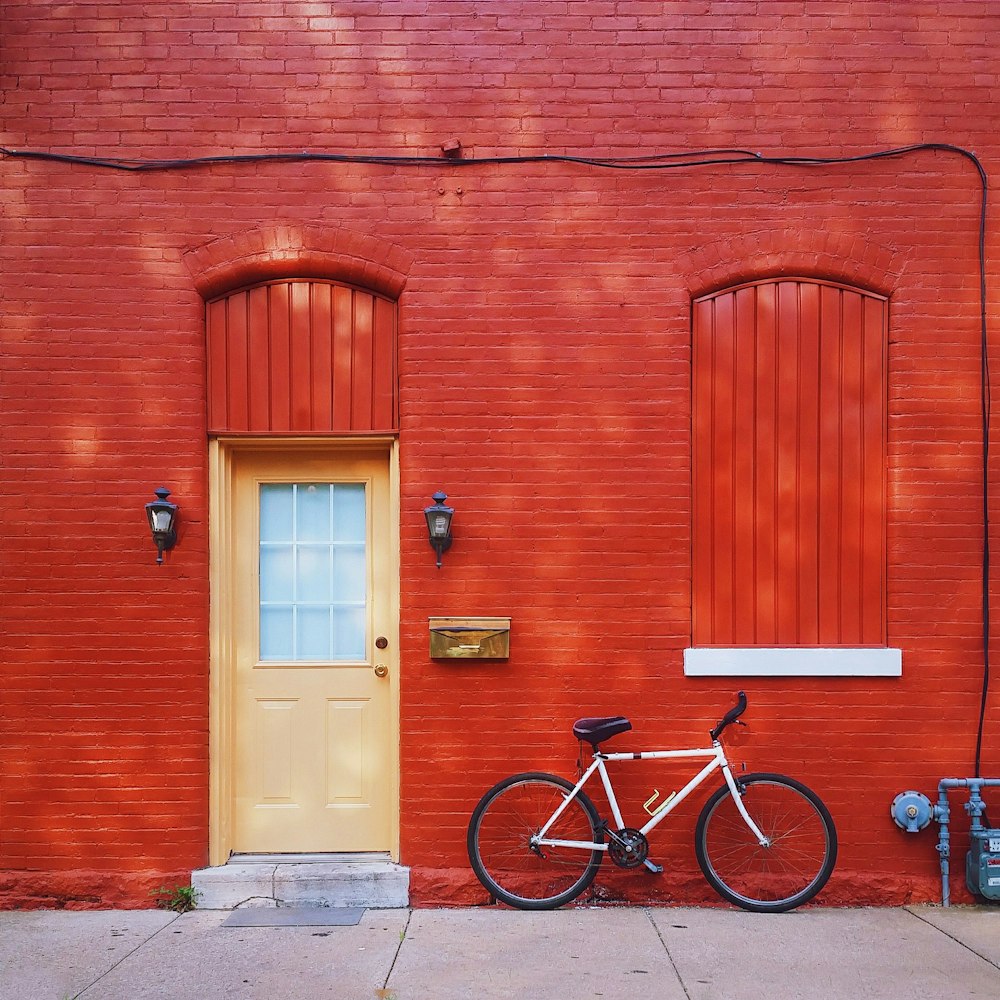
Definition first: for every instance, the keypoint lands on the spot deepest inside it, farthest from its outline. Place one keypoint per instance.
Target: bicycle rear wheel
(503, 822)
(785, 874)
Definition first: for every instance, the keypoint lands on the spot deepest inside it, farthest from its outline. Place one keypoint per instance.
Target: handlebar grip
(732, 715)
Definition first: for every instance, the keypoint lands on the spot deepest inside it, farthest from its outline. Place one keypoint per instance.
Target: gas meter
(982, 865)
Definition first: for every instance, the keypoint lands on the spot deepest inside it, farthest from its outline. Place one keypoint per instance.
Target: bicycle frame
(717, 761)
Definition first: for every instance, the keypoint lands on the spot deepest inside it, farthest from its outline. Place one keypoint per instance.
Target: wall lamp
(162, 517)
(439, 524)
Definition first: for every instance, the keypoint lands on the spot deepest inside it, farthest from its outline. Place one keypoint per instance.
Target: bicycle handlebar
(731, 716)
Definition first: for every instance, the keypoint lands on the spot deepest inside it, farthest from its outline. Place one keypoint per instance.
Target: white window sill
(770, 661)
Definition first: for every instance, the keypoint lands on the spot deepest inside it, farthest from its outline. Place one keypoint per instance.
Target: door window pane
(349, 633)
(312, 577)
(276, 637)
(277, 573)
(312, 633)
(349, 512)
(349, 583)
(313, 571)
(276, 512)
(312, 509)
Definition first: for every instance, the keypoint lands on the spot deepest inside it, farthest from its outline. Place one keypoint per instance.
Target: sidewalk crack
(987, 960)
(399, 948)
(670, 957)
(141, 944)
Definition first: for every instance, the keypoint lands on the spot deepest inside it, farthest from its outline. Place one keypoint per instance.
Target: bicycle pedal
(653, 867)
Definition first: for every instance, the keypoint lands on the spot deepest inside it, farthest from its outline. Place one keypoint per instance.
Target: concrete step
(369, 880)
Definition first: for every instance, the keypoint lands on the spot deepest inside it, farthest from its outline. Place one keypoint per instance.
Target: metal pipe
(975, 808)
(969, 783)
(944, 840)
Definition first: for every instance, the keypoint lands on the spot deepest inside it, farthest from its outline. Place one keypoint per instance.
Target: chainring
(627, 848)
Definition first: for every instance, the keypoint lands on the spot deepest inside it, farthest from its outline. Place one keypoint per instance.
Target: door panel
(314, 727)
(275, 722)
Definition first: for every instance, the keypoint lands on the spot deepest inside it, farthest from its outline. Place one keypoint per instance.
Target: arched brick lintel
(228, 263)
(853, 259)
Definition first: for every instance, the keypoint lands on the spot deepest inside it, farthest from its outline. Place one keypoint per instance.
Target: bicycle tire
(506, 817)
(788, 873)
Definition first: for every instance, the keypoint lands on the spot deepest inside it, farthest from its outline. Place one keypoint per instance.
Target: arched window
(302, 356)
(789, 442)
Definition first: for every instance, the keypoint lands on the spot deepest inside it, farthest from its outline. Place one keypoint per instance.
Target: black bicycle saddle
(596, 731)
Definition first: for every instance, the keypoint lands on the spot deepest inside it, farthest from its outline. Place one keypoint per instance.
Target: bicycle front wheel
(800, 855)
(500, 850)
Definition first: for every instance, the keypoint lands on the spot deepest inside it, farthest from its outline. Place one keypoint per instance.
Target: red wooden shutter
(789, 431)
(302, 357)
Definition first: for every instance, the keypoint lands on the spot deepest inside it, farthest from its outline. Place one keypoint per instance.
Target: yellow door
(314, 654)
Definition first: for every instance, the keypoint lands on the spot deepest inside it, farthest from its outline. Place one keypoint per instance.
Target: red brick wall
(544, 384)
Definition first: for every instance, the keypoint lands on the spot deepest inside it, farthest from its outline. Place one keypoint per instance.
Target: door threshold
(341, 858)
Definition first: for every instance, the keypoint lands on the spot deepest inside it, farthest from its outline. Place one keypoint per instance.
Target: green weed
(180, 899)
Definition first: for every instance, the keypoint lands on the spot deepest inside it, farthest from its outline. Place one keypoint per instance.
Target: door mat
(295, 916)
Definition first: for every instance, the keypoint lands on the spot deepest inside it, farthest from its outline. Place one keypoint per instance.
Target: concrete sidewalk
(480, 954)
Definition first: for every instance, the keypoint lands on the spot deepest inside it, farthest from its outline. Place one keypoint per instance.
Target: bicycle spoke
(795, 864)
(500, 842)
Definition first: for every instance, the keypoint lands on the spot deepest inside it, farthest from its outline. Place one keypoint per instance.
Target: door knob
(381, 670)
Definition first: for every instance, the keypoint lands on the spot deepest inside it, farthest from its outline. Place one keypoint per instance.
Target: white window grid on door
(313, 572)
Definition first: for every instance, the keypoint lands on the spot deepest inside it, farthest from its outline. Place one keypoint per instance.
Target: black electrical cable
(985, 391)
(656, 161)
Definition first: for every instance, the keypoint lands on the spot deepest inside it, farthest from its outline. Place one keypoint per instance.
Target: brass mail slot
(470, 638)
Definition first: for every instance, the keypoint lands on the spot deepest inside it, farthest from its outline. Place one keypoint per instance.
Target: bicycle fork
(737, 793)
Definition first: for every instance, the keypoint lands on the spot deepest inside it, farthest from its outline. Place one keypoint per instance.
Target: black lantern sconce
(439, 524)
(162, 516)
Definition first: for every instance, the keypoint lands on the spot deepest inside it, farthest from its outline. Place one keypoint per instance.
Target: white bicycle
(763, 841)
